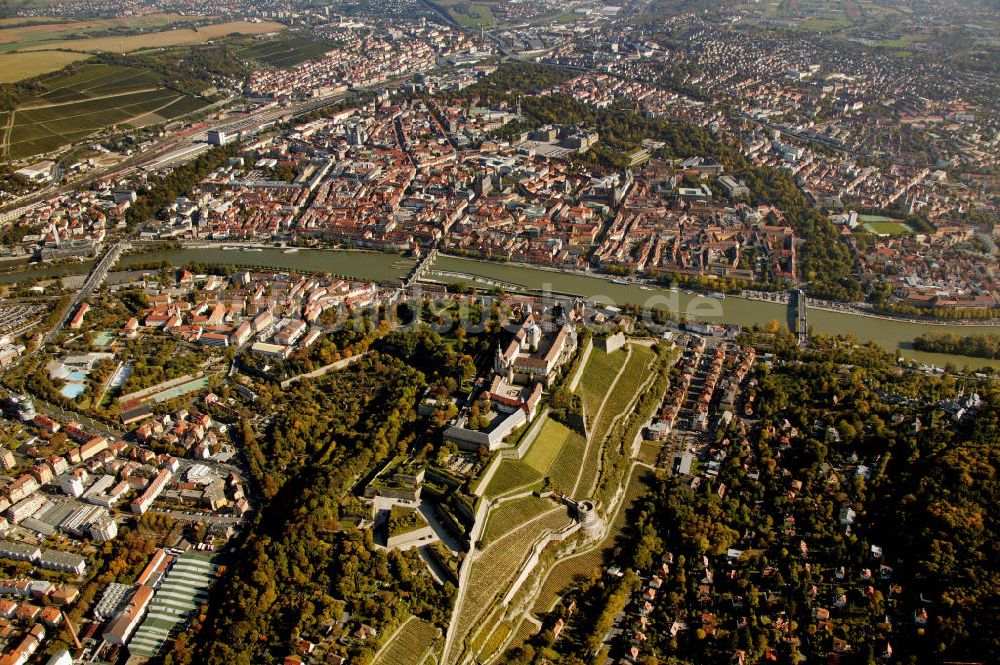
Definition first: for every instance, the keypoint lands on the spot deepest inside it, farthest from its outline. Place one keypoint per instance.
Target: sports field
(74, 106)
(283, 51)
(883, 225)
(887, 228)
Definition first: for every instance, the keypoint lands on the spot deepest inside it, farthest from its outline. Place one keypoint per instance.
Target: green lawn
(546, 446)
(904, 42)
(825, 24)
(649, 451)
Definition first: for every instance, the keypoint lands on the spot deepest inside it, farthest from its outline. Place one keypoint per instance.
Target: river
(374, 266)
(891, 335)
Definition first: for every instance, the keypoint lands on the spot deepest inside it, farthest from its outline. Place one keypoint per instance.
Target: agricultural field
(152, 40)
(628, 384)
(14, 21)
(545, 459)
(565, 573)
(566, 467)
(511, 475)
(16, 67)
(284, 51)
(496, 568)
(90, 98)
(50, 31)
(598, 376)
(508, 515)
(409, 646)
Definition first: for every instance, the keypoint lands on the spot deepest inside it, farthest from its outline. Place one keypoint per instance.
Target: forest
(853, 517)
(189, 70)
(300, 572)
(977, 346)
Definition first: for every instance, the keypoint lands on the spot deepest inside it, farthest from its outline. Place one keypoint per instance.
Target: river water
(891, 335)
(374, 266)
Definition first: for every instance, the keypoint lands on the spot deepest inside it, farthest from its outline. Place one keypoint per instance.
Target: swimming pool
(73, 390)
(76, 376)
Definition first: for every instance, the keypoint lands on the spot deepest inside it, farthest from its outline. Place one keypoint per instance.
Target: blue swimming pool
(76, 376)
(72, 390)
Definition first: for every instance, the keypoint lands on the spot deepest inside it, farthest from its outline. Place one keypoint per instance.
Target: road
(53, 411)
(93, 282)
(206, 518)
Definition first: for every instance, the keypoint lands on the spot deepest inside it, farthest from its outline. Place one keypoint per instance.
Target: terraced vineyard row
(496, 568)
(635, 373)
(525, 631)
(497, 636)
(563, 472)
(510, 514)
(564, 574)
(410, 645)
(511, 475)
(598, 377)
(640, 483)
(543, 459)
